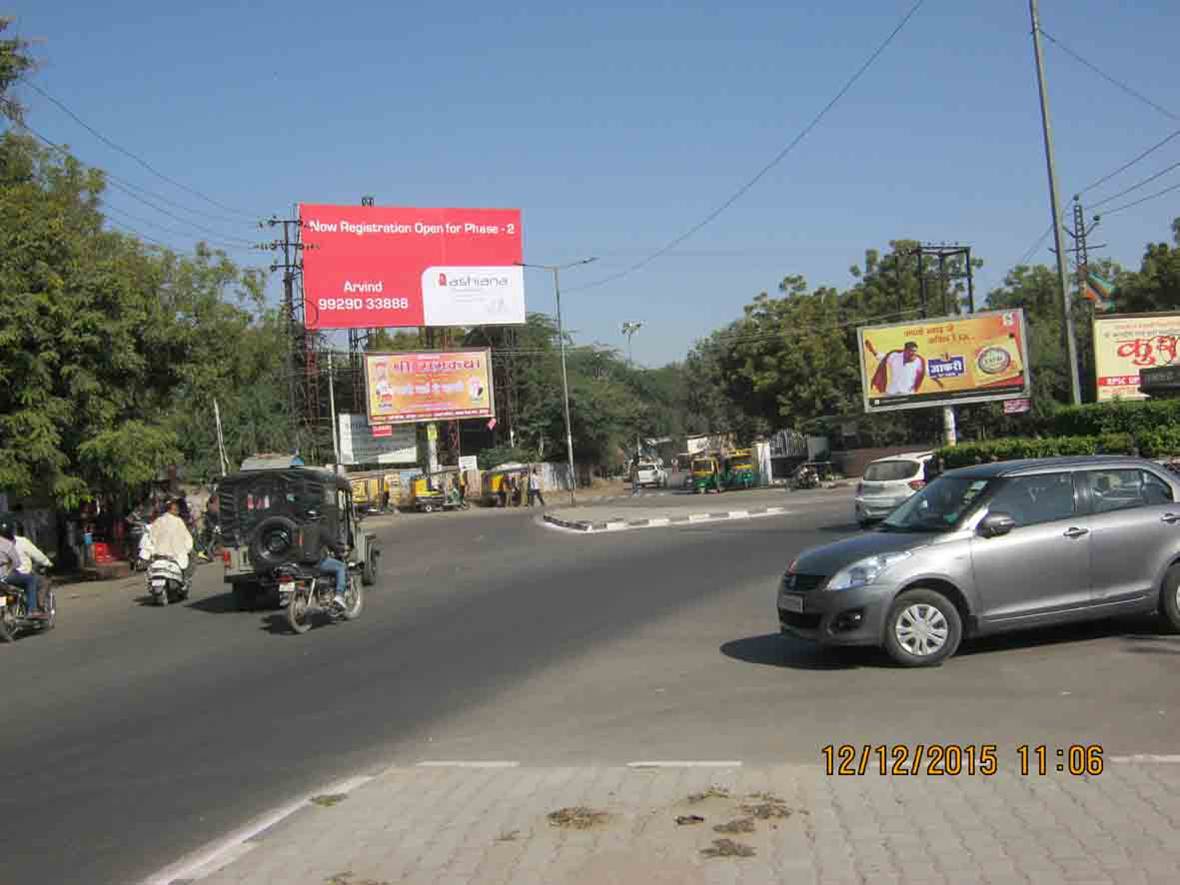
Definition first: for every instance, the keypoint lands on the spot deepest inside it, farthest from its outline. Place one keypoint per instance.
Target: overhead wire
(1135, 187)
(1166, 190)
(130, 191)
(142, 162)
(1114, 81)
(108, 209)
(778, 158)
(1105, 178)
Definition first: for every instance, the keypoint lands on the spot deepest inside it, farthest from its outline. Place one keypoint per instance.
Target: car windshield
(890, 471)
(937, 508)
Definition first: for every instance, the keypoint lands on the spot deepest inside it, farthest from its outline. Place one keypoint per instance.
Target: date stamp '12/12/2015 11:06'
(954, 760)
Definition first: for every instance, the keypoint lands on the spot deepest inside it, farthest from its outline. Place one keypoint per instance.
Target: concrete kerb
(587, 527)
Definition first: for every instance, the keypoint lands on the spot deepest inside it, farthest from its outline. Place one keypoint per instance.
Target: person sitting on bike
(10, 571)
(333, 552)
(30, 555)
(169, 536)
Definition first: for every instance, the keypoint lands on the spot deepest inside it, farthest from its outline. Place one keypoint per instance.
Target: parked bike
(137, 527)
(14, 612)
(166, 580)
(307, 594)
(805, 478)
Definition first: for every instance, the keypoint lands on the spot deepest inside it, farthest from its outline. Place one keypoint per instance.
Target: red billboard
(383, 266)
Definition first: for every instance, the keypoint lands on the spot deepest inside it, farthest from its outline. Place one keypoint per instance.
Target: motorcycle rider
(333, 552)
(30, 555)
(169, 536)
(10, 572)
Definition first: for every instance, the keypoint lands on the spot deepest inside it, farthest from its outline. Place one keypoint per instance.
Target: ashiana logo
(472, 281)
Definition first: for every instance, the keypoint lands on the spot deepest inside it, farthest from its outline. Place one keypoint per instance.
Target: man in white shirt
(31, 554)
(168, 536)
(900, 372)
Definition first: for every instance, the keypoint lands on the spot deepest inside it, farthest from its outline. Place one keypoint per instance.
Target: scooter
(166, 580)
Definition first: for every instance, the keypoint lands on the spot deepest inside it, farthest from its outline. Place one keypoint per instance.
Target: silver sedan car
(996, 547)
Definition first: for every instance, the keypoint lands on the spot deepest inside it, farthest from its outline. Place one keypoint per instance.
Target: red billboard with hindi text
(369, 267)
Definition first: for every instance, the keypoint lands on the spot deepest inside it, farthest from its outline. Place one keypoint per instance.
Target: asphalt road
(133, 735)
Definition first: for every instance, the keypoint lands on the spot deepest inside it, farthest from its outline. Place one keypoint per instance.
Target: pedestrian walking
(535, 488)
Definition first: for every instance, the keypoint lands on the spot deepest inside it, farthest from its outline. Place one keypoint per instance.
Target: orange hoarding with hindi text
(428, 386)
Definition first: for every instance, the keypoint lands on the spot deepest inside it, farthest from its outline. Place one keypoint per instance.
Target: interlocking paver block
(490, 826)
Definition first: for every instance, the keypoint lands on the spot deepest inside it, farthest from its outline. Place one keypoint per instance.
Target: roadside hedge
(1012, 448)
(1136, 418)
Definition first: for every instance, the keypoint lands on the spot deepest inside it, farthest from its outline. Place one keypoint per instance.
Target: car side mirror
(996, 524)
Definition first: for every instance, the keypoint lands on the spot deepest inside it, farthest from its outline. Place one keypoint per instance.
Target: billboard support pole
(1071, 345)
(948, 425)
(970, 284)
(332, 409)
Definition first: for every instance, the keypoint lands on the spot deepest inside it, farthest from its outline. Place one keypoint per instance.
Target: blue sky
(616, 127)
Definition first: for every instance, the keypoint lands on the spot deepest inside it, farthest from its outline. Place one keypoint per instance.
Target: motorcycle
(166, 580)
(14, 613)
(306, 593)
(137, 527)
(805, 478)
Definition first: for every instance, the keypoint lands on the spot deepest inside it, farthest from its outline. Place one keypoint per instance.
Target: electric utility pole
(1071, 344)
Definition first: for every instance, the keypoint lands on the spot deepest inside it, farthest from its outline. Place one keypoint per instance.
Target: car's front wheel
(923, 628)
(1170, 598)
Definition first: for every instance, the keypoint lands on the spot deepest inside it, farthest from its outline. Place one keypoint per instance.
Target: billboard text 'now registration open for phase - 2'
(375, 267)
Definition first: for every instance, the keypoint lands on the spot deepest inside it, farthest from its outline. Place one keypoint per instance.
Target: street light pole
(629, 329)
(556, 269)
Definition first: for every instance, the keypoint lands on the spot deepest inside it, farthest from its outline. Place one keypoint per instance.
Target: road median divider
(616, 524)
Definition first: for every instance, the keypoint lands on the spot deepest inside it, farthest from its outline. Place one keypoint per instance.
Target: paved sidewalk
(617, 824)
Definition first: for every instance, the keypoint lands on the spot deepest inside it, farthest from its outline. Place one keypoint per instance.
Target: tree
(15, 61)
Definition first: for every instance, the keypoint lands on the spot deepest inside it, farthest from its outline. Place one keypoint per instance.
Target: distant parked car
(992, 548)
(649, 474)
(888, 482)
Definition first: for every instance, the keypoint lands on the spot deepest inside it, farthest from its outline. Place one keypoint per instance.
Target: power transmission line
(108, 210)
(130, 191)
(1105, 178)
(778, 158)
(1107, 77)
(1135, 187)
(1166, 190)
(142, 162)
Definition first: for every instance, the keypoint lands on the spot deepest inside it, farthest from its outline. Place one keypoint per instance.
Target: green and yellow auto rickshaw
(706, 474)
(738, 470)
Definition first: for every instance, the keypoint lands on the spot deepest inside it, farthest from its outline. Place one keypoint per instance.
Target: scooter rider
(169, 536)
(10, 567)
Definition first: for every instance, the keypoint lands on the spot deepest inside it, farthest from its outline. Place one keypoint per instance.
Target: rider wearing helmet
(10, 568)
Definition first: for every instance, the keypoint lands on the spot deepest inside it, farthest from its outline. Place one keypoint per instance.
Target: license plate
(793, 603)
(287, 587)
(158, 583)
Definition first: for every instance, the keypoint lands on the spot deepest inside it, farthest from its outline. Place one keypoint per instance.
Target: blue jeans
(29, 582)
(337, 568)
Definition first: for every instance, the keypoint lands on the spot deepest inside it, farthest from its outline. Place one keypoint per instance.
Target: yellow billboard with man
(944, 361)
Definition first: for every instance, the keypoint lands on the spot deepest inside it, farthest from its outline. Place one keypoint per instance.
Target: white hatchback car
(888, 482)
